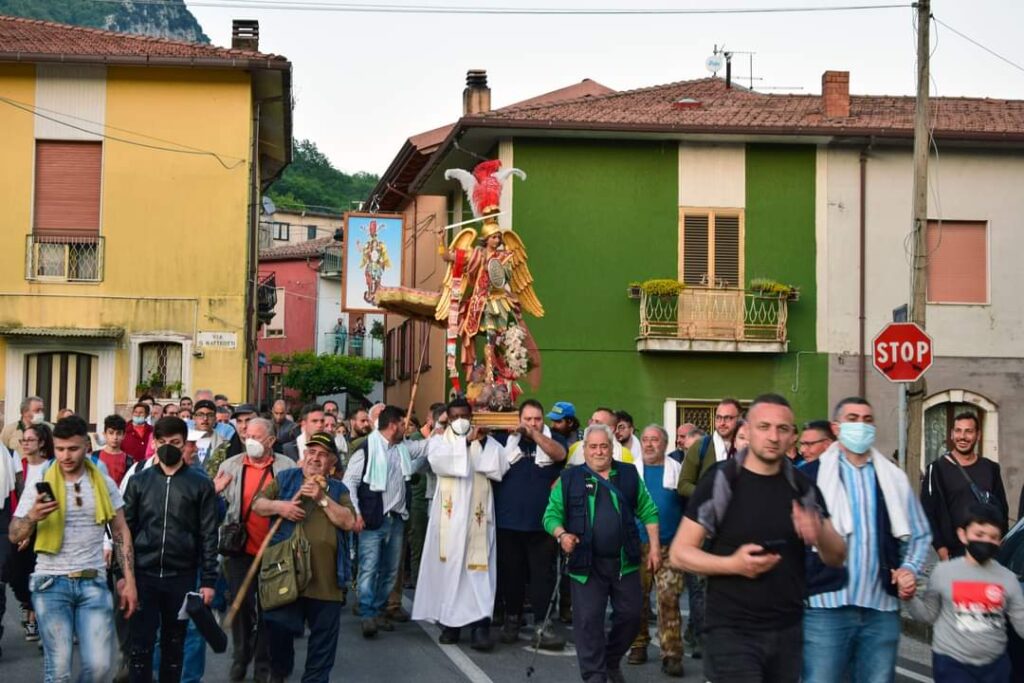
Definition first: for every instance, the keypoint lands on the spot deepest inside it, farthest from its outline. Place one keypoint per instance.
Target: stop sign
(902, 352)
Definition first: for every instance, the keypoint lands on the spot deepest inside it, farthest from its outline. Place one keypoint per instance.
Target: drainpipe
(252, 277)
(862, 361)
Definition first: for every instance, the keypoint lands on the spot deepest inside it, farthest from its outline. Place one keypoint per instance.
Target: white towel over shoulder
(514, 453)
(891, 479)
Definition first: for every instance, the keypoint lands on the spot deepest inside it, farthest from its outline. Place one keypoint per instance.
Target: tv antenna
(720, 56)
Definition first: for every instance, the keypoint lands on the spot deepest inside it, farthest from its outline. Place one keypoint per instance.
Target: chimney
(835, 94)
(476, 98)
(245, 35)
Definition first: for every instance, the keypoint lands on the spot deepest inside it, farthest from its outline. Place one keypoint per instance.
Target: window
(405, 344)
(275, 328)
(957, 262)
(391, 357)
(274, 386)
(711, 247)
(701, 414)
(310, 232)
(282, 231)
(160, 367)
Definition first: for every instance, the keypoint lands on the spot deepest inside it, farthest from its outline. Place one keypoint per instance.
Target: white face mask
(253, 448)
(340, 442)
(461, 426)
(37, 418)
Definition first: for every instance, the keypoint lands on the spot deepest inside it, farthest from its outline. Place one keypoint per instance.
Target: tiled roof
(738, 110)
(299, 250)
(28, 38)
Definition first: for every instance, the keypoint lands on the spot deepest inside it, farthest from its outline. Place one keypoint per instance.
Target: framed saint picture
(373, 259)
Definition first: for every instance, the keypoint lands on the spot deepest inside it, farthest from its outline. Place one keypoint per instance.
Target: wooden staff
(254, 568)
(416, 381)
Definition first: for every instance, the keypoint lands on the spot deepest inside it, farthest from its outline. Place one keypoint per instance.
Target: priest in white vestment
(458, 572)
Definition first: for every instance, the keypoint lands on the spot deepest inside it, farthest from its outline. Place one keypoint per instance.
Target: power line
(369, 8)
(177, 150)
(987, 49)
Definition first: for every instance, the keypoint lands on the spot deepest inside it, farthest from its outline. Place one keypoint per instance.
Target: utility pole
(919, 253)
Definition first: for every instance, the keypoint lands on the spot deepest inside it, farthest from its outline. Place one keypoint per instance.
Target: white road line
(913, 675)
(462, 662)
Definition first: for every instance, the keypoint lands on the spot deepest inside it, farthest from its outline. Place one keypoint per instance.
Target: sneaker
(547, 639)
(637, 655)
(369, 628)
(509, 633)
(31, 631)
(398, 614)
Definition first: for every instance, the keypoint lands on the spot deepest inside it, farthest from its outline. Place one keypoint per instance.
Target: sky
(364, 82)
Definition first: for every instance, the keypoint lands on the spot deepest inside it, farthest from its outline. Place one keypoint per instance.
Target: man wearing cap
(306, 495)
(311, 421)
(171, 510)
(247, 474)
(564, 422)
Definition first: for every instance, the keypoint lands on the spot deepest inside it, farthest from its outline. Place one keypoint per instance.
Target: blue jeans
(68, 607)
(380, 552)
(948, 670)
(853, 642)
(285, 623)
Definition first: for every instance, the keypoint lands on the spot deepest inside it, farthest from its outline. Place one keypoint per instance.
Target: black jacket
(173, 521)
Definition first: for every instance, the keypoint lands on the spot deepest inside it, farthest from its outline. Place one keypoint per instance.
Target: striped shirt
(394, 493)
(864, 587)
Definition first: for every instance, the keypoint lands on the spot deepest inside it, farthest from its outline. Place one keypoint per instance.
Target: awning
(68, 332)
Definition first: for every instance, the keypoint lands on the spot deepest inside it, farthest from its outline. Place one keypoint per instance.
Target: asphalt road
(411, 653)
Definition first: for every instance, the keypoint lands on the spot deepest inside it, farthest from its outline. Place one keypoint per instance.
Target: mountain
(167, 19)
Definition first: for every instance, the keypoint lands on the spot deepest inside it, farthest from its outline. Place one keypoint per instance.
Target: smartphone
(773, 547)
(45, 491)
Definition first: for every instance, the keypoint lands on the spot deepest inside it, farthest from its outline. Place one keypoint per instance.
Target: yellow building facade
(130, 195)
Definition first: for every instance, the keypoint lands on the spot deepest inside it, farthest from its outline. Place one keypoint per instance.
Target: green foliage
(312, 181)
(377, 330)
(662, 287)
(314, 375)
(165, 20)
(766, 285)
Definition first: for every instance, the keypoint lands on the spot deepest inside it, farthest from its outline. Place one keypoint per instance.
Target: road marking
(567, 651)
(913, 675)
(462, 662)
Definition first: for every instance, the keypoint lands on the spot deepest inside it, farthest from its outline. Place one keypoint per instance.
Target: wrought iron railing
(715, 314)
(330, 263)
(266, 298)
(64, 258)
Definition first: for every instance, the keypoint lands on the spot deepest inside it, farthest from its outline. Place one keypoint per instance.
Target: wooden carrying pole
(254, 569)
(419, 371)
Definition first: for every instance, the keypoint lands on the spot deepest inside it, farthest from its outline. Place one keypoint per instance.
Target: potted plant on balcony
(175, 390)
(633, 290)
(662, 287)
(769, 288)
(141, 389)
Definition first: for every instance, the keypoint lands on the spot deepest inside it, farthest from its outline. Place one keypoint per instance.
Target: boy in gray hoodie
(969, 599)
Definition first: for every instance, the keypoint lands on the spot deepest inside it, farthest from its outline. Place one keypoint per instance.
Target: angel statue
(374, 261)
(487, 285)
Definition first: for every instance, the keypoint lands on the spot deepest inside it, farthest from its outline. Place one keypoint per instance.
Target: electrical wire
(381, 8)
(106, 136)
(976, 43)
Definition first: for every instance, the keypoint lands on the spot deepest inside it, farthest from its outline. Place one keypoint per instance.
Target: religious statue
(374, 261)
(487, 286)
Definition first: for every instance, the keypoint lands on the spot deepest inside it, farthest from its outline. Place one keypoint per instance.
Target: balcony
(63, 258)
(330, 263)
(266, 299)
(713, 320)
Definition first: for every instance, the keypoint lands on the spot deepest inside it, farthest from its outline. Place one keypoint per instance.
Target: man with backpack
(746, 528)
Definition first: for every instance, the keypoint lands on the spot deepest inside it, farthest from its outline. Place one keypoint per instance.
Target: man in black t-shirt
(758, 512)
(955, 481)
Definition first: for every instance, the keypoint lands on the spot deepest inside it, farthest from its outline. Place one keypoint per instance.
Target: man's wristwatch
(558, 538)
(322, 502)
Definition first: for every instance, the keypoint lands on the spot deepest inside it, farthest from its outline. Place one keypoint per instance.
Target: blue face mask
(138, 419)
(857, 437)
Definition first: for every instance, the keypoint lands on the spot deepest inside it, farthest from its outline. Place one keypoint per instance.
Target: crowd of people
(796, 548)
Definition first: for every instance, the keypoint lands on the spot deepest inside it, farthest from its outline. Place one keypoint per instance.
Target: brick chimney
(835, 94)
(245, 35)
(476, 98)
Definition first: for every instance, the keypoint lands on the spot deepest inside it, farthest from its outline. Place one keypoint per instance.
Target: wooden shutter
(67, 188)
(695, 248)
(727, 250)
(957, 262)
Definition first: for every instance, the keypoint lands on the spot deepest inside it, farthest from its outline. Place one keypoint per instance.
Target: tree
(314, 375)
(312, 181)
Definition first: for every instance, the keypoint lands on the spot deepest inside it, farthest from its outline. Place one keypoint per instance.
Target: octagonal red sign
(902, 352)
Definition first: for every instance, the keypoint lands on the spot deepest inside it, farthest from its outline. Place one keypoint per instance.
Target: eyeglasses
(808, 444)
(205, 415)
(78, 494)
(27, 441)
(726, 418)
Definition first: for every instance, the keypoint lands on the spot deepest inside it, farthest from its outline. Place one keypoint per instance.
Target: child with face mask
(969, 599)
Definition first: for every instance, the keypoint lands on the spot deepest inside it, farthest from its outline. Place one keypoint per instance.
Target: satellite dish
(268, 206)
(714, 63)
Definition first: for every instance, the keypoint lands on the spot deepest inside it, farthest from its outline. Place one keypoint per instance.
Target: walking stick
(236, 604)
(562, 564)
(416, 382)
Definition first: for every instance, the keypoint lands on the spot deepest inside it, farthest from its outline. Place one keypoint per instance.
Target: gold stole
(477, 549)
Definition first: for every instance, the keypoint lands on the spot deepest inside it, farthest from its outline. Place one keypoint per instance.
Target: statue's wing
(505, 173)
(464, 240)
(521, 279)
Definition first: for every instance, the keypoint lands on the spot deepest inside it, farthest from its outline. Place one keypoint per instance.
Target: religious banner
(373, 259)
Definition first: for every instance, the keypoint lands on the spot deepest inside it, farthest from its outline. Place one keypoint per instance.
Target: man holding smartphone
(69, 510)
(759, 513)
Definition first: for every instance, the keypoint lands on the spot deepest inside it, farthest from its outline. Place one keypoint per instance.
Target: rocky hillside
(171, 19)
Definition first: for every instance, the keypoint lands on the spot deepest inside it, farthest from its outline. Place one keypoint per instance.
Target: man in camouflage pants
(661, 475)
